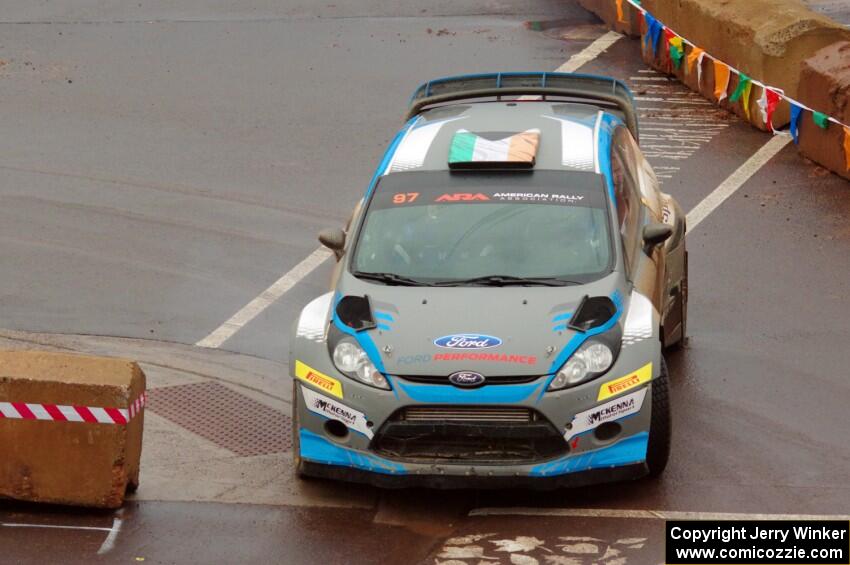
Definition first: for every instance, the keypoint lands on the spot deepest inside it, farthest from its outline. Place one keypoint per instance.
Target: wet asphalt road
(161, 166)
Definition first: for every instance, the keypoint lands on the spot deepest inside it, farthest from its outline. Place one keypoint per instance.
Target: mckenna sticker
(329, 408)
(608, 412)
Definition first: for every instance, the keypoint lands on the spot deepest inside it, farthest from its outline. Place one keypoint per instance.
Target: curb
(800, 57)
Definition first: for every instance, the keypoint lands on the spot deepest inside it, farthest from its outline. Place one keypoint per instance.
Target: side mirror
(654, 235)
(333, 239)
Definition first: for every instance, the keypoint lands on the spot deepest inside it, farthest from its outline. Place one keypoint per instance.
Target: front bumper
(587, 458)
(628, 472)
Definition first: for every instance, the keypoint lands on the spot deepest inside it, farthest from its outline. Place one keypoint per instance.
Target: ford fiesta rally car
(502, 297)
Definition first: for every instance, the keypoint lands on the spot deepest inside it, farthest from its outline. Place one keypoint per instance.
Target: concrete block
(606, 10)
(825, 86)
(70, 428)
(767, 39)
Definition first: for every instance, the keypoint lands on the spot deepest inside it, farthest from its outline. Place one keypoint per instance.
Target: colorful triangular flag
(767, 104)
(796, 112)
(742, 92)
(653, 32)
(620, 16)
(821, 119)
(677, 51)
(847, 146)
(721, 80)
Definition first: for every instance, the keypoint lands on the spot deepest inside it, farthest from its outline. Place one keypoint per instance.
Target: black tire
(297, 462)
(658, 448)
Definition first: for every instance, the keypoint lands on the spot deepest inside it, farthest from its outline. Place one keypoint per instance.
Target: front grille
(505, 414)
(485, 434)
(444, 379)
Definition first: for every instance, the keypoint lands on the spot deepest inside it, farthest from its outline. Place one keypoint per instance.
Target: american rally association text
(756, 533)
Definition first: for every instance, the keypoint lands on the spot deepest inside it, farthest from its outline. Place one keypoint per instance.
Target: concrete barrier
(70, 428)
(767, 39)
(825, 85)
(625, 20)
(778, 42)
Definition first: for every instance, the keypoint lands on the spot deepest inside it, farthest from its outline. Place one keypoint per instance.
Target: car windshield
(546, 227)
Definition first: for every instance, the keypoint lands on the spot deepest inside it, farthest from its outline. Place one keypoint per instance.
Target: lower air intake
(464, 434)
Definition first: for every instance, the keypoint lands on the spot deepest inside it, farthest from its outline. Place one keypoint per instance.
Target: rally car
(502, 298)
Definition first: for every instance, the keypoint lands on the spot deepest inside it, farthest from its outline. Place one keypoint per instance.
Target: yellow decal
(317, 379)
(617, 386)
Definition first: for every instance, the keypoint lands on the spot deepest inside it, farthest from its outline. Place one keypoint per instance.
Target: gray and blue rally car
(502, 298)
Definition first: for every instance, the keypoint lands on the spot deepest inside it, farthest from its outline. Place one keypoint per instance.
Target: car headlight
(591, 360)
(350, 359)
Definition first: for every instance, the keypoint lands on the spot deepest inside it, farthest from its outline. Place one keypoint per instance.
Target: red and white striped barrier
(58, 413)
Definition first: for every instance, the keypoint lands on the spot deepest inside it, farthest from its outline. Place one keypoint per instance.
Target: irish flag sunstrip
(469, 150)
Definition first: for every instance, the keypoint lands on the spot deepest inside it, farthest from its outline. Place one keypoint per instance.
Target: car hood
(495, 331)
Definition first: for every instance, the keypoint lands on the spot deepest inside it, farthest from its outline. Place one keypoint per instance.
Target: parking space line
(109, 542)
(647, 514)
(589, 53)
(266, 298)
(728, 187)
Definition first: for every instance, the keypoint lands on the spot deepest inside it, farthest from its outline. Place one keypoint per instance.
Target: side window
(626, 195)
(647, 180)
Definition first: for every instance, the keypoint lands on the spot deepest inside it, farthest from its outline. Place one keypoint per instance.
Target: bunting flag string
(770, 96)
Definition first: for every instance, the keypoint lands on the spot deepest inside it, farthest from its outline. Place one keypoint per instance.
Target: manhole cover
(225, 417)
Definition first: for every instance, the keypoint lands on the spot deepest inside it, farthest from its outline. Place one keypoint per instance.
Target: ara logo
(462, 197)
(466, 379)
(467, 341)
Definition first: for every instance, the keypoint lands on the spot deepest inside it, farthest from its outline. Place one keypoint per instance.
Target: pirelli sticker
(319, 380)
(621, 385)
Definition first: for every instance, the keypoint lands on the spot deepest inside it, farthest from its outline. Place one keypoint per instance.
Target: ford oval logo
(467, 341)
(466, 379)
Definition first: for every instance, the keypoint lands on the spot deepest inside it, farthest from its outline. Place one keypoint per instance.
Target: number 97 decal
(405, 197)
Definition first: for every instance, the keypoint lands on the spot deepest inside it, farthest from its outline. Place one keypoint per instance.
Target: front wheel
(658, 447)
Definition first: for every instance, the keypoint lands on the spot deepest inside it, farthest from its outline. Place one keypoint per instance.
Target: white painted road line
(11, 525)
(265, 299)
(647, 514)
(109, 542)
(728, 187)
(589, 53)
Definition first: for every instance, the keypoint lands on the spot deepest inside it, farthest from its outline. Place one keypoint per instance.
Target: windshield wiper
(508, 280)
(389, 279)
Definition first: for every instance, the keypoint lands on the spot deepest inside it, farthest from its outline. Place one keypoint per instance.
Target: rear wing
(603, 91)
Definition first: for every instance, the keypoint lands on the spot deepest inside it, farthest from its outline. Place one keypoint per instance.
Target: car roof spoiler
(604, 91)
